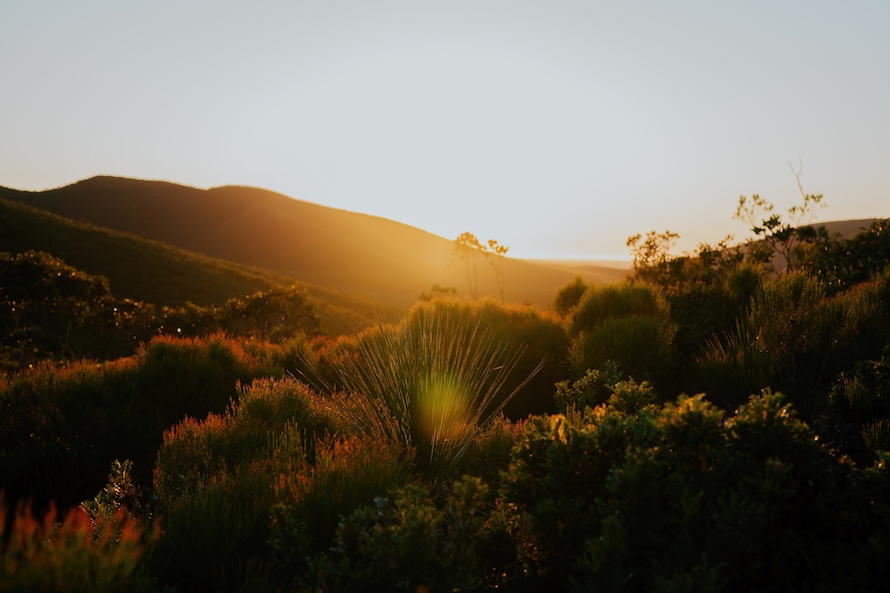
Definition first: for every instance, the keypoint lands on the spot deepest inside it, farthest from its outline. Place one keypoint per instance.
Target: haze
(557, 128)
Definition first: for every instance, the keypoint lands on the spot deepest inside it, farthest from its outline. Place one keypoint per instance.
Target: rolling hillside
(364, 256)
(154, 272)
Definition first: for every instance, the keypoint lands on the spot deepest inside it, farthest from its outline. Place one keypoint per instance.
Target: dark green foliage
(62, 427)
(591, 390)
(860, 406)
(404, 542)
(249, 494)
(609, 301)
(796, 338)
(626, 323)
(634, 497)
(568, 296)
(52, 311)
(845, 263)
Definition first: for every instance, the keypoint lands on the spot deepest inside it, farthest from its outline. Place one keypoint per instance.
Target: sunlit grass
(427, 387)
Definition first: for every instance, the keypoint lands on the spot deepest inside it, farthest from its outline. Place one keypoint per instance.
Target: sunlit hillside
(375, 258)
(150, 271)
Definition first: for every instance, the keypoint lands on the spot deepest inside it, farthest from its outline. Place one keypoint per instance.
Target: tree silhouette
(468, 249)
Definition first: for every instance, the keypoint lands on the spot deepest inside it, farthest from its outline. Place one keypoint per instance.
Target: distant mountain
(150, 271)
(361, 255)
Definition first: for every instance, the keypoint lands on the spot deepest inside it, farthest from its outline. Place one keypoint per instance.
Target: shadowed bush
(62, 427)
(798, 339)
(70, 552)
(637, 497)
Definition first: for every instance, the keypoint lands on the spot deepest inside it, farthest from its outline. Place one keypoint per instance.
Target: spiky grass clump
(427, 386)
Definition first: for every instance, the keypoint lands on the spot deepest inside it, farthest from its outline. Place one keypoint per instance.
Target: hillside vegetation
(717, 422)
(144, 270)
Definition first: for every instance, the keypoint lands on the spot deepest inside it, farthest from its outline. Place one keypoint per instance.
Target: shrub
(593, 389)
(568, 296)
(311, 501)
(403, 542)
(797, 338)
(428, 386)
(608, 301)
(259, 487)
(634, 497)
(627, 323)
(639, 344)
(539, 335)
(69, 552)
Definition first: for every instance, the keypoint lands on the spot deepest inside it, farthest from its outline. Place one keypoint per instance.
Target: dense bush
(627, 323)
(635, 497)
(62, 427)
(52, 311)
(796, 338)
(538, 334)
(58, 552)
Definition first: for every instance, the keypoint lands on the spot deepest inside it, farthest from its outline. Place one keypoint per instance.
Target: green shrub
(311, 501)
(608, 301)
(568, 296)
(215, 538)
(591, 390)
(639, 344)
(63, 426)
(634, 497)
(859, 405)
(403, 542)
(797, 338)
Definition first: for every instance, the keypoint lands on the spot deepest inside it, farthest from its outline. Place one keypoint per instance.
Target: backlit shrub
(69, 552)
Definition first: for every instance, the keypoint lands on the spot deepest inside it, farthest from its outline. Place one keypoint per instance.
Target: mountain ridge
(373, 257)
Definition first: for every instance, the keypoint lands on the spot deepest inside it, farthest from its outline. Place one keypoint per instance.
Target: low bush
(637, 497)
(70, 552)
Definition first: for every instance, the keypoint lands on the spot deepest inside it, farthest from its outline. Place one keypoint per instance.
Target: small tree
(497, 263)
(781, 238)
(468, 249)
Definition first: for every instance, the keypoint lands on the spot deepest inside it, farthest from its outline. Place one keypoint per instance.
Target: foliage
(635, 497)
(796, 338)
(628, 323)
(540, 336)
(403, 542)
(786, 240)
(568, 296)
(219, 479)
(591, 390)
(468, 250)
(843, 264)
(860, 402)
(63, 427)
(70, 551)
(52, 311)
(427, 386)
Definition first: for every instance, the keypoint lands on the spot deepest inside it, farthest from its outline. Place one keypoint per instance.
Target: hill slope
(375, 258)
(154, 272)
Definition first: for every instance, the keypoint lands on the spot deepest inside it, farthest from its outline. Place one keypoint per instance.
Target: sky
(558, 128)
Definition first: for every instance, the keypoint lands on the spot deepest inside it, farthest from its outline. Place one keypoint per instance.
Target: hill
(370, 257)
(154, 272)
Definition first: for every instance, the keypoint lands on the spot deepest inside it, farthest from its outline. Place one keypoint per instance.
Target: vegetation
(715, 423)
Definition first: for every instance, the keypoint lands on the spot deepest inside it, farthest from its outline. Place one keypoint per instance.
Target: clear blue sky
(558, 128)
